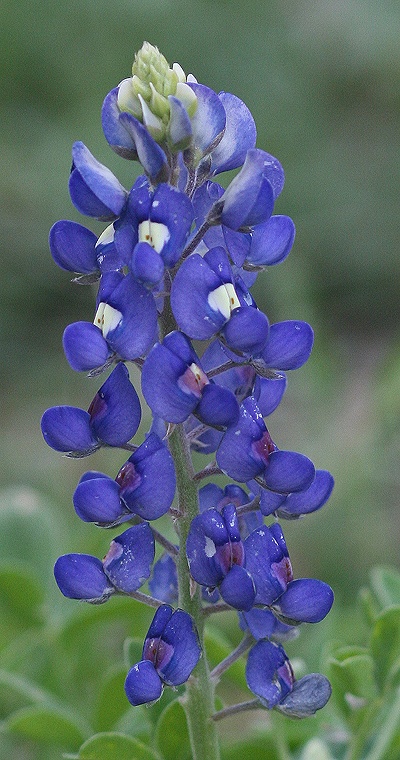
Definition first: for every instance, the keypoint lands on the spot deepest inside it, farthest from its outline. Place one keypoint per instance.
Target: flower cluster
(175, 264)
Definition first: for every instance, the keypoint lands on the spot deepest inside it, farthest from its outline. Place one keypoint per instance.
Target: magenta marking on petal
(193, 380)
(98, 407)
(285, 674)
(128, 477)
(263, 447)
(230, 554)
(283, 571)
(158, 652)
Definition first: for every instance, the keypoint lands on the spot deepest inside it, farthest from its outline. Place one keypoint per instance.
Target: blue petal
(164, 581)
(235, 455)
(208, 122)
(263, 624)
(84, 346)
(153, 489)
(249, 199)
(180, 632)
(174, 209)
(96, 499)
(143, 684)
(193, 283)
(147, 265)
(101, 183)
(237, 588)
(115, 133)
(179, 127)
(271, 241)
(67, 429)
(72, 247)
(246, 330)
(160, 620)
(268, 673)
(313, 498)
(288, 471)
(151, 156)
(201, 547)
(269, 393)
(81, 576)
(239, 135)
(128, 561)
(305, 600)
(308, 695)
(217, 406)
(267, 564)
(115, 410)
(289, 345)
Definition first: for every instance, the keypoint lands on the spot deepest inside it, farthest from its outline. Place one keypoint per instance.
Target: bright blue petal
(181, 634)
(81, 576)
(96, 499)
(268, 673)
(115, 411)
(289, 345)
(239, 135)
(115, 133)
(151, 156)
(100, 182)
(271, 241)
(143, 684)
(72, 247)
(288, 471)
(68, 429)
(84, 346)
(128, 561)
(237, 588)
(305, 600)
(313, 498)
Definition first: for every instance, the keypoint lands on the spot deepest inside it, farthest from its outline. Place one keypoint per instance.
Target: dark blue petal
(235, 455)
(217, 406)
(164, 581)
(246, 330)
(193, 283)
(96, 499)
(147, 479)
(128, 561)
(201, 547)
(160, 620)
(209, 496)
(269, 393)
(115, 411)
(173, 209)
(288, 471)
(102, 186)
(81, 576)
(305, 600)
(147, 265)
(263, 624)
(143, 684)
(84, 346)
(313, 498)
(151, 156)
(271, 241)
(308, 695)
(115, 133)
(136, 330)
(68, 429)
(239, 135)
(289, 345)
(267, 564)
(181, 634)
(72, 247)
(237, 588)
(268, 673)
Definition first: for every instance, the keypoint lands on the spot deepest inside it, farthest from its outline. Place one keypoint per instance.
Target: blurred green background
(322, 81)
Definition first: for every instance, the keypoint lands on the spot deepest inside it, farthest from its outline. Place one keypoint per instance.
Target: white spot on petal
(209, 548)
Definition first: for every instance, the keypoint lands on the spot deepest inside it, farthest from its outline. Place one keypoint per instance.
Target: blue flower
(112, 419)
(175, 385)
(216, 556)
(247, 451)
(269, 674)
(144, 486)
(125, 567)
(171, 650)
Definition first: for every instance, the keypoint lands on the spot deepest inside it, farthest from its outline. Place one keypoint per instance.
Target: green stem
(198, 700)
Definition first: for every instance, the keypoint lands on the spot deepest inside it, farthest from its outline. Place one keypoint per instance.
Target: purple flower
(175, 385)
(94, 189)
(112, 419)
(171, 650)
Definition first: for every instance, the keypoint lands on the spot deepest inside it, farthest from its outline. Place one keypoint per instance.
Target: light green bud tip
(153, 79)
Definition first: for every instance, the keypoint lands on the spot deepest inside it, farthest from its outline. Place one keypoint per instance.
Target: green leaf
(385, 583)
(46, 725)
(172, 736)
(352, 675)
(385, 645)
(113, 710)
(20, 594)
(133, 649)
(261, 747)
(115, 746)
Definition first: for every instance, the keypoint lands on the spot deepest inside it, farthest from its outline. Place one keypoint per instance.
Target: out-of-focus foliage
(322, 81)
